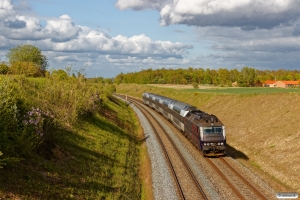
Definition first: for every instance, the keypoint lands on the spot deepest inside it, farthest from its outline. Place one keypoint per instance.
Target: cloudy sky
(107, 37)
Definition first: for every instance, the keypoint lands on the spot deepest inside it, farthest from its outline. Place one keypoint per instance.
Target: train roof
(178, 104)
(184, 106)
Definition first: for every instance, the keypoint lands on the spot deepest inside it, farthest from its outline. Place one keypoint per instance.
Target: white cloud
(6, 9)
(61, 29)
(261, 48)
(248, 14)
(138, 45)
(20, 27)
(140, 4)
(61, 34)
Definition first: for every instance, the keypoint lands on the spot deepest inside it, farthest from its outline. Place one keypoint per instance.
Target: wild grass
(91, 150)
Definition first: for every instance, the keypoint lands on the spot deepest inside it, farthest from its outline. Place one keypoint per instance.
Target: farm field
(262, 126)
(229, 90)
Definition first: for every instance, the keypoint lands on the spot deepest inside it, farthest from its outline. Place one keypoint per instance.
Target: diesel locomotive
(204, 130)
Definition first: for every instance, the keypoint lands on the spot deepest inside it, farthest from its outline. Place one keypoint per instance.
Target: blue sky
(107, 37)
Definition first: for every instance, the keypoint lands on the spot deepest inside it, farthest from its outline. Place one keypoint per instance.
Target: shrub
(65, 99)
(195, 85)
(26, 68)
(3, 68)
(16, 140)
(33, 109)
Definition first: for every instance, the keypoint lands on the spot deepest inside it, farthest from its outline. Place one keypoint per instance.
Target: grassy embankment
(87, 146)
(262, 126)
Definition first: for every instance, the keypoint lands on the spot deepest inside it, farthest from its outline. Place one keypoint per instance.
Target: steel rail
(224, 178)
(245, 181)
(178, 152)
(258, 193)
(179, 188)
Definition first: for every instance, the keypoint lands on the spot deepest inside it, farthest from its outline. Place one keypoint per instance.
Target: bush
(26, 68)
(33, 109)
(195, 85)
(16, 140)
(66, 99)
(3, 68)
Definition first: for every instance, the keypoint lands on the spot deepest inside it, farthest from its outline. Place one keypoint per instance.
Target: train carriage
(205, 131)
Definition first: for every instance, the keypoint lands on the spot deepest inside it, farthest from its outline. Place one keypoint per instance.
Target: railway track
(243, 190)
(188, 186)
(250, 189)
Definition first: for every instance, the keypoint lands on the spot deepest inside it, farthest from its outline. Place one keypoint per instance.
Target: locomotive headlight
(221, 143)
(204, 144)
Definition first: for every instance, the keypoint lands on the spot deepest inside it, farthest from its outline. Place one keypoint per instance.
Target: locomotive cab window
(212, 130)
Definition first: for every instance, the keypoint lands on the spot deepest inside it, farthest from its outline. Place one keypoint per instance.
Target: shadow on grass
(70, 141)
(75, 170)
(235, 154)
(115, 129)
(115, 100)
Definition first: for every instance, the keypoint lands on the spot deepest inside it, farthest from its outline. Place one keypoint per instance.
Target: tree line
(245, 77)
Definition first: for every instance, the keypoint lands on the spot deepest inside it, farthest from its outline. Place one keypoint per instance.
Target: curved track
(219, 165)
(187, 184)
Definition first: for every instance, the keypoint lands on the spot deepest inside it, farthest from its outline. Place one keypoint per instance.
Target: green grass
(98, 158)
(250, 90)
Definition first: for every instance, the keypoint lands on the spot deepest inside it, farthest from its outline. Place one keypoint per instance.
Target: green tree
(28, 53)
(223, 76)
(247, 77)
(207, 77)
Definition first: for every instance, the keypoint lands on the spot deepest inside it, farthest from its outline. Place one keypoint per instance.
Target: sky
(108, 37)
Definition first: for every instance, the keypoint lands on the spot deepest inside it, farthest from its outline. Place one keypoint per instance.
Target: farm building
(270, 83)
(281, 84)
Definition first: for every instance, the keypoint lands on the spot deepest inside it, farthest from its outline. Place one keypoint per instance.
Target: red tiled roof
(270, 82)
(291, 82)
(285, 82)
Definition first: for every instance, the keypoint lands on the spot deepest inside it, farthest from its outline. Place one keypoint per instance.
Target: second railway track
(242, 188)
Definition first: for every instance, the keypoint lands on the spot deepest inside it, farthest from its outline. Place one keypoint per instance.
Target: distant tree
(233, 75)
(247, 77)
(207, 77)
(161, 81)
(223, 76)
(28, 54)
(289, 77)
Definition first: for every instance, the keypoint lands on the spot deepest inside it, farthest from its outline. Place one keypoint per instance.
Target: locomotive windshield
(212, 130)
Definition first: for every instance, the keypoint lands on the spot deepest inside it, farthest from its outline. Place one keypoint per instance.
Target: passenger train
(205, 131)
